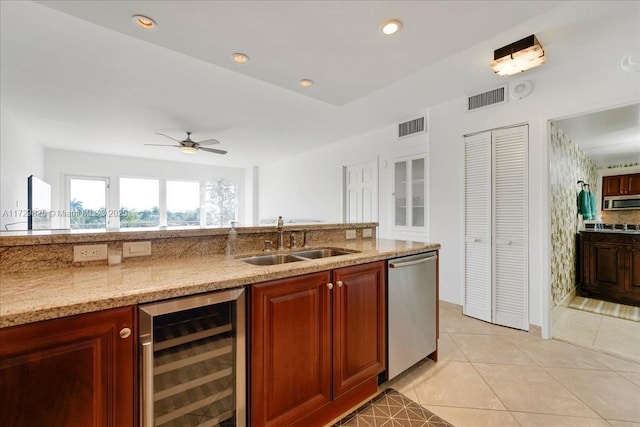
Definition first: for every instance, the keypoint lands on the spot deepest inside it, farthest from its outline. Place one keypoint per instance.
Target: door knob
(339, 283)
(125, 332)
(329, 285)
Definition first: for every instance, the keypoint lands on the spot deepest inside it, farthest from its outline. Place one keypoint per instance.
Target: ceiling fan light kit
(189, 150)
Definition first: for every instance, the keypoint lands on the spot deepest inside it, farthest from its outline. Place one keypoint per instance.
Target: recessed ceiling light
(391, 26)
(144, 22)
(306, 82)
(240, 58)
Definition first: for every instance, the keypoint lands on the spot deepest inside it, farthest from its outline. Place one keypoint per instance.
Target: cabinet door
(633, 186)
(607, 266)
(358, 325)
(634, 273)
(74, 371)
(410, 193)
(612, 185)
(290, 348)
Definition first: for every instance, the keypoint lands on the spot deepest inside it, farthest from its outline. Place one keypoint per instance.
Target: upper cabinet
(621, 185)
(410, 193)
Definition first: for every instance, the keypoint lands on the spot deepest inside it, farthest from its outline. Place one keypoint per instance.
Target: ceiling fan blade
(212, 150)
(171, 138)
(210, 141)
(164, 145)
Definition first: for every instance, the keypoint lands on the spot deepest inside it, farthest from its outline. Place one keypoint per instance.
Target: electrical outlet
(351, 234)
(131, 249)
(367, 232)
(82, 253)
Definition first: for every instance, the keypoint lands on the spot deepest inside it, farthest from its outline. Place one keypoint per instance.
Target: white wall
(310, 185)
(20, 156)
(58, 163)
(593, 81)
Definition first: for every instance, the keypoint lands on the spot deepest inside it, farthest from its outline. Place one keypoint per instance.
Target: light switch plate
(82, 253)
(351, 234)
(131, 249)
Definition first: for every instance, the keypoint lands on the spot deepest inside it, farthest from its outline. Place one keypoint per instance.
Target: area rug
(627, 312)
(392, 409)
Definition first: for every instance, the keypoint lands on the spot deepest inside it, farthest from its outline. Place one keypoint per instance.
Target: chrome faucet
(280, 233)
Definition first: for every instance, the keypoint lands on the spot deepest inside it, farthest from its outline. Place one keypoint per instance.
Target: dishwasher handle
(414, 262)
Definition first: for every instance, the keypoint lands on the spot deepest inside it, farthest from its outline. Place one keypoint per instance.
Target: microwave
(613, 203)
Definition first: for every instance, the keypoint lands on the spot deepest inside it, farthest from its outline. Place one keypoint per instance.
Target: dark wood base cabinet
(68, 372)
(611, 267)
(317, 345)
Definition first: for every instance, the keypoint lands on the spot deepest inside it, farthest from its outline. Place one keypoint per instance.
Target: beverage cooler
(192, 370)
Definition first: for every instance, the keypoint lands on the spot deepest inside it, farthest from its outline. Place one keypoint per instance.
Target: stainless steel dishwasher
(412, 309)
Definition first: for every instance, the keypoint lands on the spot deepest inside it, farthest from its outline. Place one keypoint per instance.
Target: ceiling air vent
(485, 99)
(411, 127)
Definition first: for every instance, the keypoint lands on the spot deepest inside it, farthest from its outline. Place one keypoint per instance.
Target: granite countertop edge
(605, 231)
(36, 296)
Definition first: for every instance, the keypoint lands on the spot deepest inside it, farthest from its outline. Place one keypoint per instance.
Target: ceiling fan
(190, 146)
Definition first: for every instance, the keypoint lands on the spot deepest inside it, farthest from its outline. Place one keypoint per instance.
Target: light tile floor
(599, 332)
(489, 375)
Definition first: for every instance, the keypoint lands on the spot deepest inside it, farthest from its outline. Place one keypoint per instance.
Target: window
(220, 203)
(88, 203)
(183, 203)
(151, 202)
(139, 202)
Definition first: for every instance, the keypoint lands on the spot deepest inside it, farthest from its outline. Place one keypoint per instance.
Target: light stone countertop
(35, 296)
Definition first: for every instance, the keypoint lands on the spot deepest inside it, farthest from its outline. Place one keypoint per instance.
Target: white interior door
(361, 192)
(477, 227)
(496, 256)
(510, 259)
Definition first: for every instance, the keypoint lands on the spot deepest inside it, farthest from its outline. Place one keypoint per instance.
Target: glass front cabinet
(410, 193)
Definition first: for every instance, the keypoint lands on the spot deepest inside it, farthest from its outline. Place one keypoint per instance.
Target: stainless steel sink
(272, 259)
(275, 259)
(322, 253)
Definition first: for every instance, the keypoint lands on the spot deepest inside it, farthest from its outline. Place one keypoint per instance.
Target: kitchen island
(39, 295)
(610, 265)
(78, 324)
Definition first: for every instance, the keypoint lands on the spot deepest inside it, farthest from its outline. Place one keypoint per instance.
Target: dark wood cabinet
(73, 371)
(621, 185)
(358, 325)
(610, 267)
(317, 345)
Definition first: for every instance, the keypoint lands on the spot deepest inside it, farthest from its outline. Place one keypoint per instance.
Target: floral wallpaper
(568, 165)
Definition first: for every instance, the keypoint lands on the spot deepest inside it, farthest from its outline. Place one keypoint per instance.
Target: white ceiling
(89, 80)
(610, 137)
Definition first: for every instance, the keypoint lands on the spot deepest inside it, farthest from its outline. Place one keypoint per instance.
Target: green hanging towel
(584, 204)
(592, 205)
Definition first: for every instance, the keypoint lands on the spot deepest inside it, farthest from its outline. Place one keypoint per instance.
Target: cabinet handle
(339, 283)
(329, 285)
(125, 332)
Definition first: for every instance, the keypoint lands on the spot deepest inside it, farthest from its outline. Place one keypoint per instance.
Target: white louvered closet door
(477, 227)
(510, 260)
(496, 259)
